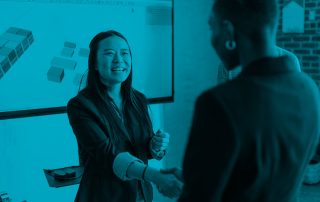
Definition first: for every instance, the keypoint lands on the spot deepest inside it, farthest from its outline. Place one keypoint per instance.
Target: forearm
(122, 163)
(141, 171)
(136, 170)
(128, 167)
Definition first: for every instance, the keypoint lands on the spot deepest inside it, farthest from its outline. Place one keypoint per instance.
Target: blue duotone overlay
(48, 72)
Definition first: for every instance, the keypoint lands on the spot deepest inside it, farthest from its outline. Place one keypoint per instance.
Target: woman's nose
(117, 57)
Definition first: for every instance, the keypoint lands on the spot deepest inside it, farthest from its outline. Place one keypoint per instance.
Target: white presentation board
(44, 48)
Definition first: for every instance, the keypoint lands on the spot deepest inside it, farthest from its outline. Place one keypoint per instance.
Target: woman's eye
(108, 53)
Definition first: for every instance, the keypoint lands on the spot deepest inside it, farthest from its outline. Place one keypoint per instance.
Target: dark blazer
(252, 137)
(97, 151)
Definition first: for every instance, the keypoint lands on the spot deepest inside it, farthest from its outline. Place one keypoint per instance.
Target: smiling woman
(113, 129)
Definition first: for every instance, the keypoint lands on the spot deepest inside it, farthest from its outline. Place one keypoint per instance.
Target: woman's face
(113, 60)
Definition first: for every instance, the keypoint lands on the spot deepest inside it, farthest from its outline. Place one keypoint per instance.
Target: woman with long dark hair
(113, 129)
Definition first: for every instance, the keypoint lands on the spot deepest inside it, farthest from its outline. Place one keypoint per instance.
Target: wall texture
(305, 45)
(195, 71)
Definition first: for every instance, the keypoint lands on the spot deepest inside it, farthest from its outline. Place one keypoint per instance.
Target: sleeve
(143, 99)
(90, 135)
(148, 148)
(127, 167)
(211, 152)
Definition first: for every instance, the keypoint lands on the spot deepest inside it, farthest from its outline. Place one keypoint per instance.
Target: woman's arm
(90, 135)
(128, 167)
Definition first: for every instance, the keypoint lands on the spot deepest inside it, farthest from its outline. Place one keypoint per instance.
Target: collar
(270, 66)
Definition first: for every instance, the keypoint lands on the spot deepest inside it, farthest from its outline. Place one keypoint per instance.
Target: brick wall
(305, 45)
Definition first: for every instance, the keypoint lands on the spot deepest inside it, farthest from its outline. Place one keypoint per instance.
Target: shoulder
(218, 102)
(211, 112)
(292, 56)
(216, 94)
(208, 100)
(140, 96)
(78, 99)
(83, 101)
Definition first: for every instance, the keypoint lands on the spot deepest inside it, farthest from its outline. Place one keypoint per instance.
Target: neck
(114, 92)
(254, 51)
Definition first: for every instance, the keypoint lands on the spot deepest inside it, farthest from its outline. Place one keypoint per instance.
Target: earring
(230, 45)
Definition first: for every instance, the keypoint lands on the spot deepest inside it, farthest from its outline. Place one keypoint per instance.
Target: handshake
(170, 182)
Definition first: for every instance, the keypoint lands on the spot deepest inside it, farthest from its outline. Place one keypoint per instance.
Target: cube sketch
(10, 53)
(67, 52)
(24, 32)
(63, 63)
(13, 30)
(69, 44)
(5, 64)
(16, 46)
(3, 41)
(13, 43)
(55, 74)
(12, 37)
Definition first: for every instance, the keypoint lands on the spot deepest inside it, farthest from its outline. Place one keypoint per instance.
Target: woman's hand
(167, 183)
(160, 141)
(175, 171)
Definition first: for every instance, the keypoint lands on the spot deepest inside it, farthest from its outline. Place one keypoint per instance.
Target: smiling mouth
(118, 69)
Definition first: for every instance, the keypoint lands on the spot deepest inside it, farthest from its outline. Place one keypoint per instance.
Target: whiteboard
(38, 36)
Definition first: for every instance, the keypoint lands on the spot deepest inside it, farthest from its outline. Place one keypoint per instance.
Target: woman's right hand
(167, 183)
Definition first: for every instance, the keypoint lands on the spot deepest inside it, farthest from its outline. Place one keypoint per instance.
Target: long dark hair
(132, 99)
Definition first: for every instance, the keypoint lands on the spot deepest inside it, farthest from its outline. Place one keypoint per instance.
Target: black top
(97, 150)
(252, 137)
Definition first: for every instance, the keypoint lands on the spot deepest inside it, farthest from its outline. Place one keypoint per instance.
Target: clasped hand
(160, 141)
(170, 182)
